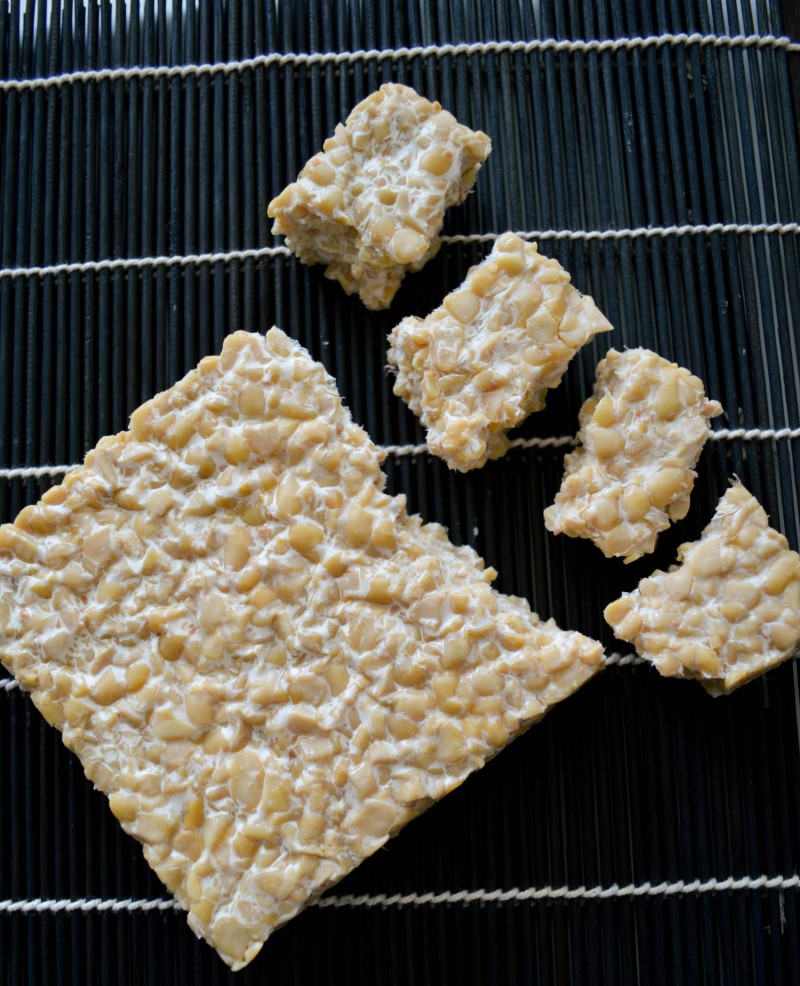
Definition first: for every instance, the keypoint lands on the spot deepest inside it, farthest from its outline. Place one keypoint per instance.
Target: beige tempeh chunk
(266, 664)
(371, 205)
(483, 361)
(640, 437)
(729, 611)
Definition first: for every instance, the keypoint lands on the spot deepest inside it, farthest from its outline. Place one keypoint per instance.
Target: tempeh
(484, 360)
(641, 434)
(370, 206)
(262, 660)
(729, 611)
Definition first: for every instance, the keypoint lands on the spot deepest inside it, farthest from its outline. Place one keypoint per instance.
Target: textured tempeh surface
(266, 664)
(641, 434)
(485, 358)
(371, 205)
(729, 611)
(688, 145)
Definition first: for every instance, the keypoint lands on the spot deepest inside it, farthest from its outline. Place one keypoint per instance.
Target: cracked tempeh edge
(729, 611)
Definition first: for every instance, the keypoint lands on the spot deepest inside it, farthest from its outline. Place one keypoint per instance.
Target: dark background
(634, 779)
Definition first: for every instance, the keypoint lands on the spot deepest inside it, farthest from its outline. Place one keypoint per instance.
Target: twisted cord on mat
(648, 232)
(747, 434)
(647, 889)
(259, 253)
(34, 472)
(140, 263)
(758, 433)
(85, 904)
(570, 45)
(401, 451)
(620, 660)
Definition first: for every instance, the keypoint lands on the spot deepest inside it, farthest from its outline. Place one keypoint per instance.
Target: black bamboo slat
(634, 780)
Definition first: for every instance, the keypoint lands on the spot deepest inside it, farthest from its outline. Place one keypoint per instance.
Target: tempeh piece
(371, 205)
(482, 362)
(729, 611)
(266, 664)
(641, 434)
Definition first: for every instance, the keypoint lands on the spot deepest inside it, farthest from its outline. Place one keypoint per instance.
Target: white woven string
(401, 451)
(34, 472)
(565, 893)
(729, 434)
(260, 253)
(648, 232)
(142, 263)
(754, 433)
(621, 660)
(568, 45)
(84, 904)
(464, 897)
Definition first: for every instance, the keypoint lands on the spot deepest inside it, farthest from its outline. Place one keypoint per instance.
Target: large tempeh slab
(266, 664)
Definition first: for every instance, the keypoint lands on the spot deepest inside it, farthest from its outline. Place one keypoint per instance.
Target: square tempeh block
(484, 360)
(370, 206)
(262, 660)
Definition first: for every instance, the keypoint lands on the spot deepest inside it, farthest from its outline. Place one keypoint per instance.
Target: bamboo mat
(643, 832)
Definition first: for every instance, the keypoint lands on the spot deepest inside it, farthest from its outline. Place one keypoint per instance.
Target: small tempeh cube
(482, 362)
(371, 205)
(641, 434)
(729, 611)
(262, 660)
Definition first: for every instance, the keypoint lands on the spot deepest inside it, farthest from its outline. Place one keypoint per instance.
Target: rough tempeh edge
(484, 360)
(641, 434)
(262, 660)
(370, 206)
(729, 611)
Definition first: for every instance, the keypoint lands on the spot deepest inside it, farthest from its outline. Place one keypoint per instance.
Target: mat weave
(643, 832)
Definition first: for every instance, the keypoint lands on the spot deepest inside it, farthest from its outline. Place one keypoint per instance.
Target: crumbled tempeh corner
(641, 434)
(371, 205)
(266, 664)
(729, 612)
(484, 360)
